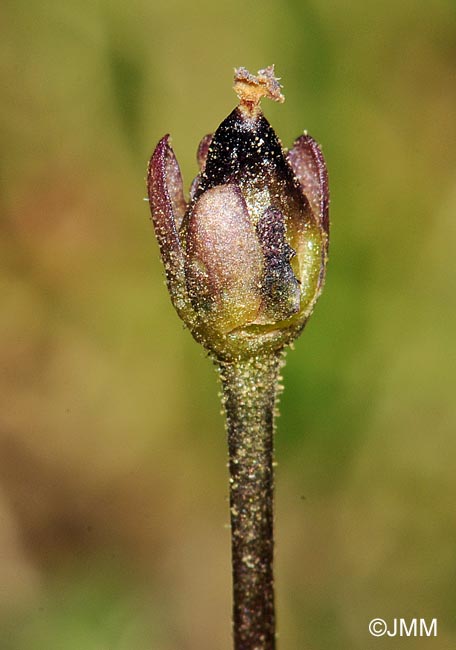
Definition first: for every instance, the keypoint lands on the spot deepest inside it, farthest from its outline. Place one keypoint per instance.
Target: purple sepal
(309, 167)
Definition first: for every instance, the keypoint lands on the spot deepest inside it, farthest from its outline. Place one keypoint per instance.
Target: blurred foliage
(112, 455)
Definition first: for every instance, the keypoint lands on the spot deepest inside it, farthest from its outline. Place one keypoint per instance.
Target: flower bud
(245, 258)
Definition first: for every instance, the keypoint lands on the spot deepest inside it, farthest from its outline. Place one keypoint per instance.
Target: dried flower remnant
(245, 258)
(245, 262)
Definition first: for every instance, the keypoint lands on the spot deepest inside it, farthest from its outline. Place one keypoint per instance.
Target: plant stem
(249, 396)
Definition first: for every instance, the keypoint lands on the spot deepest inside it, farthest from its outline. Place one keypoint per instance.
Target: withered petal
(309, 167)
(223, 258)
(165, 199)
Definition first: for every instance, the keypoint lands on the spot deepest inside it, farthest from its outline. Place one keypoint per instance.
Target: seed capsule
(245, 258)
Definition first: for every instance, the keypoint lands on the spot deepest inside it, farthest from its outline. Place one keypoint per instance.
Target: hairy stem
(249, 396)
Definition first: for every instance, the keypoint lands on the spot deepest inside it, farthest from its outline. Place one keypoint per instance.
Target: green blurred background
(113, 484)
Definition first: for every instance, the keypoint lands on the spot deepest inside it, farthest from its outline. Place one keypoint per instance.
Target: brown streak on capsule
(280, 287)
